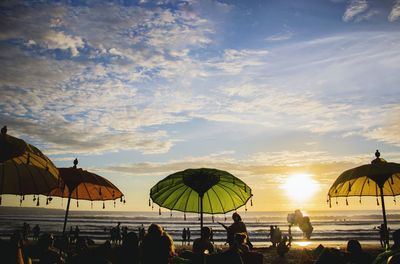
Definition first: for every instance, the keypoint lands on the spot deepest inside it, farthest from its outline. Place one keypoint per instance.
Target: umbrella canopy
(204, 190)
(380, 178)
(83, 185)
(24, 169)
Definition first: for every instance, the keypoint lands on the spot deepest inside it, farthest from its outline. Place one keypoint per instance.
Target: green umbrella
(380, 178)
(204, 190)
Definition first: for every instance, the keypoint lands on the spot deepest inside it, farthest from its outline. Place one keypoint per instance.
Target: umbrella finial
(377, 154)
(4, 130)
(75, 162)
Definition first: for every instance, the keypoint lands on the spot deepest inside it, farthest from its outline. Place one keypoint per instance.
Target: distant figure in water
(188, 235)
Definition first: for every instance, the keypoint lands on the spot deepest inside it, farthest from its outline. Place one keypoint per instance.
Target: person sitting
(394, 250)
(240, 243)
(236, 227)
(129, 251)
(356, 254)
(157, 246)
(46, 252)
(203, 244)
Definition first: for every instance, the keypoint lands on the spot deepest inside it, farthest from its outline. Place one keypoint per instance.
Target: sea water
(330, 226)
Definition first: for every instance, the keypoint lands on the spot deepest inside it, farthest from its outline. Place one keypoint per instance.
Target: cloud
(395, 12)
(58, 40)
(354, 8)
(280, 37)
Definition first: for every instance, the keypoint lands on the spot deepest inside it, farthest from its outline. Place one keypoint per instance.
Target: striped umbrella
(83, 185)
(24, 169)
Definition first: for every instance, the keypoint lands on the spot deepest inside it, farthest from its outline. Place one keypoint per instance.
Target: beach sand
(298, 254)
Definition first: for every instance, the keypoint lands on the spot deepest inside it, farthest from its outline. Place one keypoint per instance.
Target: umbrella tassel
(124, 201)
(170, 214)
(360, 199)
(394, 199)
(23, 197)
(347, 202)
(91, 204)
(104, 205)
(377, 201)
(159, 211)
(149, 202)
(37, 203)
(337, 201)
(184, 216)
(47, 201)
(121, 199)
(212, 217)
(34, 197)
(152, 207)
(0, 199)
(20, 201)
(114, 203)
(225, 217)
(245, 208)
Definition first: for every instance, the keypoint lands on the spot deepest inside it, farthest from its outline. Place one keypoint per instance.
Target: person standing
(184, 233)
(188, 235)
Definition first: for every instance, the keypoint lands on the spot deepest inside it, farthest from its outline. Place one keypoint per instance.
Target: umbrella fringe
(91, 204)
(159, 211)
(347, 202)
(1, 198)
(377, 201)
(251, 201)
(184, 216)
(114, 203)
(37, 203)
(104, 205)
(77, 203)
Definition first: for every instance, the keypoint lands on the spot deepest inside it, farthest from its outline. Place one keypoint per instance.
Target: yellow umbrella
(24, 169)
(380, 178)
(84, 185)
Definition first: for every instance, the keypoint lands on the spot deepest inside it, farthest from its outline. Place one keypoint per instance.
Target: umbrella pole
(386, 233)
(201, 212)
(66, 212)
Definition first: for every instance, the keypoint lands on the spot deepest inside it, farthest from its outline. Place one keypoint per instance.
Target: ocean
(330, 226)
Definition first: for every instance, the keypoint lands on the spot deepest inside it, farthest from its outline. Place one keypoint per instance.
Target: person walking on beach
(184, 236)
(188, 235)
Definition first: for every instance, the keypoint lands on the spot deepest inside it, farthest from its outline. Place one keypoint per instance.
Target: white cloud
(354, 8)
(59, 40)
(395, 12)
(280, 37)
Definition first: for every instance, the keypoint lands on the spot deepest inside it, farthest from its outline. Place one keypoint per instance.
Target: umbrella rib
(233, 192)
(223, 209)
(19, 177)
(43, 178)
(3, 168)
(362, 187)
(179, 197)
(209, 200)
(222, 186)
(391, 188)
(87, 190)
(191, 190)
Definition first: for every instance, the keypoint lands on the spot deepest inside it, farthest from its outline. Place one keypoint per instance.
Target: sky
(285, 95)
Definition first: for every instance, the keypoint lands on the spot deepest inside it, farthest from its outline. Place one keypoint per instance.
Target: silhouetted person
(394, 250)
(356, 254)
(188, 234)
(184, 234)
(157, 246)
(129, 251)
(283, 246)
(236, 227)
(36, 232)
(76, 233)
(203, 244)
(46, 252)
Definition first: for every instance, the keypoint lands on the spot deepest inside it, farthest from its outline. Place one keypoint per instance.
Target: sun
(300, 187)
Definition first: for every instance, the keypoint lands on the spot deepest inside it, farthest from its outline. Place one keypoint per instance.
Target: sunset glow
(300, 187)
